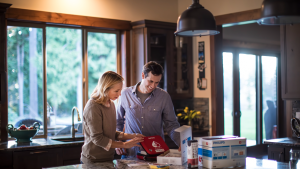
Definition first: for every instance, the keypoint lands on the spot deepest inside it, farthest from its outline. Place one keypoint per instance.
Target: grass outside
(248, 124)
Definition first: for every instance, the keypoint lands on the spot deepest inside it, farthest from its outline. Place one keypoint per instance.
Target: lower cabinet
(6, 161)
(37, 159)
(71, 155)
(40, 158)
(276, 153)
(280, 153)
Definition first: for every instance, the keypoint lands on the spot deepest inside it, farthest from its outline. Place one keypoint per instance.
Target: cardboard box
(175, 157)
(200, 153)
(224, 152)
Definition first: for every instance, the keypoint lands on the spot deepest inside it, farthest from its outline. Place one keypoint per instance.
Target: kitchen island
(251, 163)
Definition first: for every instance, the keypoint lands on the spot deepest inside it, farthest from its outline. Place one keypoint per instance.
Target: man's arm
(170, 121)
(120, 115)
(120, 122)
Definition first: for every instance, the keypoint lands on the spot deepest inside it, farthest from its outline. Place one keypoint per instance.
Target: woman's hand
(133, 142)
(131, 136)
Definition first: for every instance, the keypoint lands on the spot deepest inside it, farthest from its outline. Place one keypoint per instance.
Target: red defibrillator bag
(153, 146)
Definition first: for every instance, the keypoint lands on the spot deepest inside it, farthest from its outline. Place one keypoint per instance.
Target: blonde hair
(105, 82)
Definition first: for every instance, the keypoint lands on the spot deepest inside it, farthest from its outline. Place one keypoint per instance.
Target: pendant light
(196, 21)
(280, 12)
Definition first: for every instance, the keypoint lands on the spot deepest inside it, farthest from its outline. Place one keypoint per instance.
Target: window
(250, 80)
(47, 68)
(102, 55)
(64, 77)
(25, 77)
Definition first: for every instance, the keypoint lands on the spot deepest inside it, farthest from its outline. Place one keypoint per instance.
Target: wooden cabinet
(6, 159)
(276, 153)
(71, 155)
(290, 60)
(155, 41)
(37, 159)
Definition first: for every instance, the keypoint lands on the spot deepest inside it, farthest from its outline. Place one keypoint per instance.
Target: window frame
(259, 98)
(85, 76)
(84, 64)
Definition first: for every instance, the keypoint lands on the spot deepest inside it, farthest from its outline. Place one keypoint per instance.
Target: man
(146, 108)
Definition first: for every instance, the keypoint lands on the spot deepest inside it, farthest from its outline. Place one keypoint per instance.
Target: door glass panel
(247, 67)
(25, 76)
(64, 79)
(228, 92)
(269, 94)
(102, 56)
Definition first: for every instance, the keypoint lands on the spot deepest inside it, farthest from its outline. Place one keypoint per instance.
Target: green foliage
(18, 45)
(64, 66)
(101, 56)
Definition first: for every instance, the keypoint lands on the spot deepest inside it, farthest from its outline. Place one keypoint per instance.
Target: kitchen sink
(69, 139)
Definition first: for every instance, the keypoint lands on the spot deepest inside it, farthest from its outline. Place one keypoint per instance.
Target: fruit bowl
(25, 134)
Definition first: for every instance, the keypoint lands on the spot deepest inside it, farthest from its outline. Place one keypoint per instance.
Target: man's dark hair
(153, 67)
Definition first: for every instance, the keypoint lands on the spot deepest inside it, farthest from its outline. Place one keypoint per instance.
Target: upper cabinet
(155, 41)
(290, 61)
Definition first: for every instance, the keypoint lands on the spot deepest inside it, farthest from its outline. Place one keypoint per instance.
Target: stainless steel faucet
(73, 130)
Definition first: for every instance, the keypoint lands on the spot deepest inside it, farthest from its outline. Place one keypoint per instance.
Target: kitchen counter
(251, 163)
(287, 141)
(36, 144)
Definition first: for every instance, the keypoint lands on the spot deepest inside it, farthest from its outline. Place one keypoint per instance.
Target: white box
(185, 135)
(200, 153)
(226, 152)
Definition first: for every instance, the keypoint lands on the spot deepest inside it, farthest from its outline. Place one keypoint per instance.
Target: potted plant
(188, 115)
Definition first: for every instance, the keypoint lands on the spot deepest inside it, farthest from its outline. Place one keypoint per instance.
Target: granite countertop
(287, 141)
(251, 163)
(39, 143)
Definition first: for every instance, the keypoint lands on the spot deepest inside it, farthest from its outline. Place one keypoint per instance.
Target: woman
(99, 122)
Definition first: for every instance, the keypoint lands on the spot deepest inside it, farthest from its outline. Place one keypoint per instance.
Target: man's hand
(179, 149)
(120, 151)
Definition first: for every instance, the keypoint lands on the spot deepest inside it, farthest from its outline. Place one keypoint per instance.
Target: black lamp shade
(196, 21)
(280, 12)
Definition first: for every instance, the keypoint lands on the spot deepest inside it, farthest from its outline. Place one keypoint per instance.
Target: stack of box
(175, 157)
(199, 139)
(224, 152)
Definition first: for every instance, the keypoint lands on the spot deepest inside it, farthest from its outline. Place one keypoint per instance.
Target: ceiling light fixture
(280, 12)
(196, 21)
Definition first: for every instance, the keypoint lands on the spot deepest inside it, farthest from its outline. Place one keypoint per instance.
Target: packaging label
(238, 151)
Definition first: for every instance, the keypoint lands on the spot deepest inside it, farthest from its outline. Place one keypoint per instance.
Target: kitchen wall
(207, 92)
(222, 7)
(133, 10)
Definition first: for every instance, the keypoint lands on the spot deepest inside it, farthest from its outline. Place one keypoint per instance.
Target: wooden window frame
(26, 17)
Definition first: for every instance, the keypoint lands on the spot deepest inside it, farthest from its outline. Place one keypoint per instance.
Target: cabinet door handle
(38, 152)
(280, 156)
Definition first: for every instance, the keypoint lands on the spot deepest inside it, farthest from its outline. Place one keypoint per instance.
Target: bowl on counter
(25, 135)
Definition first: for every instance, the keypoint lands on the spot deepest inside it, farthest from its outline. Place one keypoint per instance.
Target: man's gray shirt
(147, 118)
(142, 96)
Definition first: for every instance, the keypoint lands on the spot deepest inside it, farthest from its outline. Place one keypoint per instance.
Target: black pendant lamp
(196, 21)
(280, 12)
